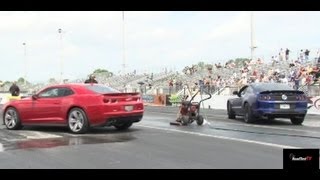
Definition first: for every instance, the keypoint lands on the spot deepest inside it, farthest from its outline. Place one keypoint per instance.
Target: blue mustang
(269, 100)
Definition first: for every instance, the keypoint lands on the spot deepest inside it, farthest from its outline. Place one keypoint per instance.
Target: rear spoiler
(280, 91)
(121, 94)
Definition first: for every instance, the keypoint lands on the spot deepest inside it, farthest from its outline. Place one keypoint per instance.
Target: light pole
(123, 45)
(253, 46)
(61, 61)
(25, 62)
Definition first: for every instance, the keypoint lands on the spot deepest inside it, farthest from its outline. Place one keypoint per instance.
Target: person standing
(170, 86)
(91, 79)
(306, 54)
(302, 56)
(14, 89)
(287, 54)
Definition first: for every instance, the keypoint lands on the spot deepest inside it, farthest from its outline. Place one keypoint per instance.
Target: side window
(65, 92)
(48, 93)
(243, 92)
(249, 90)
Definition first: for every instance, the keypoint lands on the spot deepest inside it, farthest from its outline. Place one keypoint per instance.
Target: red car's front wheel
(12, 119)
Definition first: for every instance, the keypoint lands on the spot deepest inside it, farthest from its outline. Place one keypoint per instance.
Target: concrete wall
(5, 97)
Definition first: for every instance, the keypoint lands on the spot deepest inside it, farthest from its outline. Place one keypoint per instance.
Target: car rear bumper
(100, 115)
(123, 119)
(281, 112)
(113, 118)
(284, 109)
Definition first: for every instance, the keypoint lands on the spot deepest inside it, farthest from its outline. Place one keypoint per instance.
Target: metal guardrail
(309, 90)
(23, 92)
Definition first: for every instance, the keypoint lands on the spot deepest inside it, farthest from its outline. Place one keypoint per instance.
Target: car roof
(263, 83)
(72, 85)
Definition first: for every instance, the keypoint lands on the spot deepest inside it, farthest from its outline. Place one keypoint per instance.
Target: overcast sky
(153, 40)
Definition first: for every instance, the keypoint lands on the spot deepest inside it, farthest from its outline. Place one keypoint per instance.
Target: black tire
(12, 119)
(185, 120)
(76, 117)
(248, 117)
(271, 118)
(297, 120)
(123, 126)
(200, 120)
(231, 114)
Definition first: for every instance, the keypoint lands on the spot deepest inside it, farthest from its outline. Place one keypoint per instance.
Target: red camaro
(78, 106)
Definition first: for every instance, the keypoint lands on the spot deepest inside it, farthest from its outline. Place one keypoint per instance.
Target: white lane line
(251, 125)
(312, 124)
(37, 135)
(268, 127)
(224, 137)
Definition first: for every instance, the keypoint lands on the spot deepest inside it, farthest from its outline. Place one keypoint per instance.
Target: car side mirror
(235, 93)
(34, 97)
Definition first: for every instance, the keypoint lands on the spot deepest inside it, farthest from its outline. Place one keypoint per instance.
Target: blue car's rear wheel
(297, 120)
(248, 116)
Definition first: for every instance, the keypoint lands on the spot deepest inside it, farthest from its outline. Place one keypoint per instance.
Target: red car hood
(15, 101)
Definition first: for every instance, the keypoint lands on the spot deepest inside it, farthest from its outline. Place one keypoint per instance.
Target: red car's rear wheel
(78, 121)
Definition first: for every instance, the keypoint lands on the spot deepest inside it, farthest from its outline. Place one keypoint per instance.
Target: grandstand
(158, 83)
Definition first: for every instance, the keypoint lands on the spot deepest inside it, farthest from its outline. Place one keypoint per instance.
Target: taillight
(108, 100)
(264, 97)
(301, 97)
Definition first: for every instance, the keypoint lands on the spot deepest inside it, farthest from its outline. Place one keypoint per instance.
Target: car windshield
(101, 89)
(272, 87)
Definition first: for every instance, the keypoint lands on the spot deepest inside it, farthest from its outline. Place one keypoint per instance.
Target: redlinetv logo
(301, 159)
(294, 158)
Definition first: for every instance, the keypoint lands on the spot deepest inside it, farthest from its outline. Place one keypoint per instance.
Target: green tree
(103, 71)
(201, 65)
(230, 61)
(100, 71)
(209, 67)
(7, 83)
(240, 61)
(52, 81)
(21, 80)
(174, 99)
